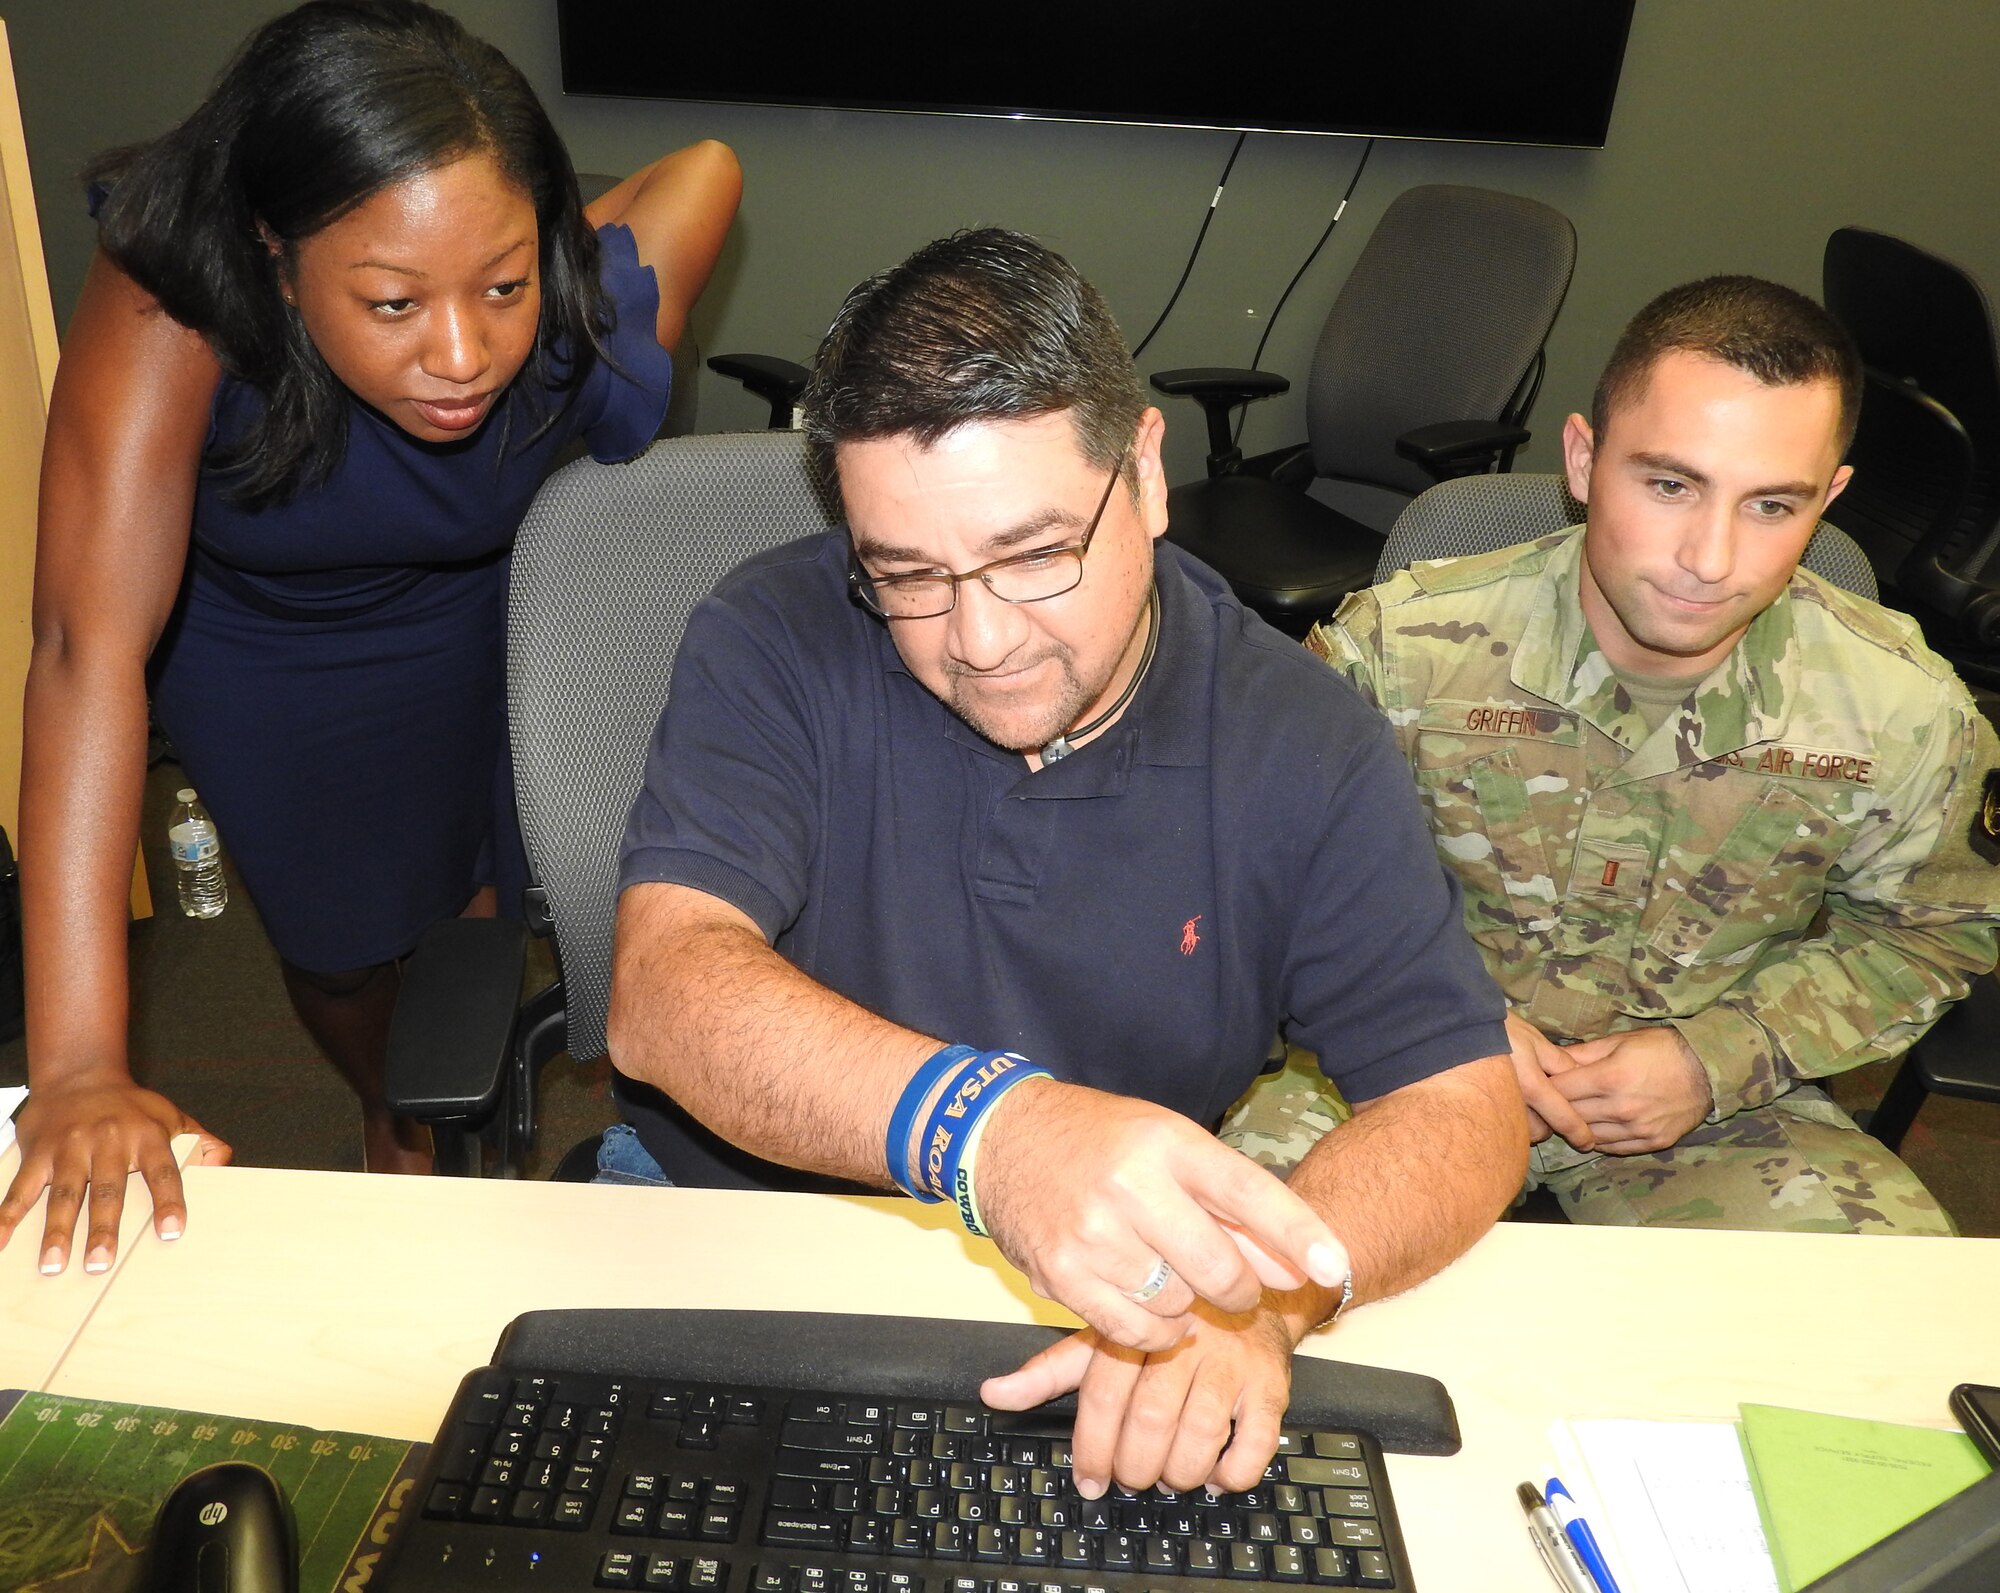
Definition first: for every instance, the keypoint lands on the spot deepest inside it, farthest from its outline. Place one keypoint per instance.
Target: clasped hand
(1087, 1192)
(1625, 1094)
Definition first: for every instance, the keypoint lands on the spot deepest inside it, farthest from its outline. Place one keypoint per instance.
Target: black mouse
(226, 1529)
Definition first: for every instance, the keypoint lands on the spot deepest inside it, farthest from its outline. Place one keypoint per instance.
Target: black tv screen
(1492, 71)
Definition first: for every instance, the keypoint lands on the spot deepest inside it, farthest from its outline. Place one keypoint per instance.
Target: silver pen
(1558, 1553)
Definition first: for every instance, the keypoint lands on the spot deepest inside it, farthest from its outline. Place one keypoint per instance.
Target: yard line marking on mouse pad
(81, 1481)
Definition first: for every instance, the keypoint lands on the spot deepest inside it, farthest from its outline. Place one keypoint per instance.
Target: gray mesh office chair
(1427, 365)
(1961, 1053)
(609, 563)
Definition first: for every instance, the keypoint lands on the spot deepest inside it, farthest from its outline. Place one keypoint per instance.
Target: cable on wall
(1188, 269)
(1256, 360)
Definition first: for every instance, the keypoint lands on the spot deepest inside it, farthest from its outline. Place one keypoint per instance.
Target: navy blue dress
(332, 676)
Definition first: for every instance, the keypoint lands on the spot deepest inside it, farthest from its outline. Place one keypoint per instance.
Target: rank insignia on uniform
(1985, 835)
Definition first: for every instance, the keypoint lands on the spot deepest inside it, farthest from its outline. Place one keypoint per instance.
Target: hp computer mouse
(226, 1529)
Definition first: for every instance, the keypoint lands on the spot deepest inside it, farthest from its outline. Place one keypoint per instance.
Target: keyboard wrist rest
(907, 1357)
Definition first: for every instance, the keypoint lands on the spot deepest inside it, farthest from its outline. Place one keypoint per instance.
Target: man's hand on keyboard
(1206, 1410)
(1088, 1193)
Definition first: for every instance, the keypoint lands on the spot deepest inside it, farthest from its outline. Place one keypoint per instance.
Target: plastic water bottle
(197, 857)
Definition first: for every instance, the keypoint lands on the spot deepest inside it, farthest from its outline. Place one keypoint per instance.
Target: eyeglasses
(1020, 578)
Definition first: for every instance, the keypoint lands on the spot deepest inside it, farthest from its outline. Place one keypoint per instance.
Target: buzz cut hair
(987, 325)
(1770, 332)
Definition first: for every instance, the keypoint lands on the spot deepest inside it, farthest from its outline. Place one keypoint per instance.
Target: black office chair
(1427, 366)
(1925, 499)
(779, 382)
(1960, 1055)
(608, 564)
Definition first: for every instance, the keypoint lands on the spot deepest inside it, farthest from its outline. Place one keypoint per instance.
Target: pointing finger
(1042, 1376)
(1283, 1229)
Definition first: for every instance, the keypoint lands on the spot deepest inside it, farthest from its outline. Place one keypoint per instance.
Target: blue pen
(1581, 1538)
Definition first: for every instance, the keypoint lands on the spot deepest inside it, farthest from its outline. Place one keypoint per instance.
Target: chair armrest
(778, 382)
(1291, 467)
(1219, 389)
(1459, 447)
(1961, 1054)
(451, 1039)
(1205, 382)
(1937, 452)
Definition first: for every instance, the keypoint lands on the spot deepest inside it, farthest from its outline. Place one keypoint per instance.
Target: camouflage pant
(1283, 1114)
(1799, 1165)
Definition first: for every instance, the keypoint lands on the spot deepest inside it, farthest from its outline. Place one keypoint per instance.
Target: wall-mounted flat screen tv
(1493, 71)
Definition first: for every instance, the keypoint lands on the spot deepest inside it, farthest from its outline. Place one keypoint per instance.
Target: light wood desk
(41, 1317)
(354, 1302)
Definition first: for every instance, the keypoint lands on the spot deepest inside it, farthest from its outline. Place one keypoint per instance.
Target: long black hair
(321, 108)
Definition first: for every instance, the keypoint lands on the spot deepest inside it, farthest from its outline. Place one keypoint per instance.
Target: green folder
(1829, 1486)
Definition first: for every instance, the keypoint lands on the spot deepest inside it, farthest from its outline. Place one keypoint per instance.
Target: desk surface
(353, 1302)
(41, 1317)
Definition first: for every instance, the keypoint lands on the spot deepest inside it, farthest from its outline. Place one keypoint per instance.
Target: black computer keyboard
(587, 1479)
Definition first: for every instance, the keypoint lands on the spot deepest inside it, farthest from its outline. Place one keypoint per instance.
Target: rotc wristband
(957, 1112)
(897, 1149)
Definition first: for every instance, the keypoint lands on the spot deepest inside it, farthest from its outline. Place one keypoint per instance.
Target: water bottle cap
(184, 794)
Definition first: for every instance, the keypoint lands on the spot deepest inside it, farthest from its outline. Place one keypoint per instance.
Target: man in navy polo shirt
(1002, 769)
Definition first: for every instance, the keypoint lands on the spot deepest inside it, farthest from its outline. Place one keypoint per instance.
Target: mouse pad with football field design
(81, 1481)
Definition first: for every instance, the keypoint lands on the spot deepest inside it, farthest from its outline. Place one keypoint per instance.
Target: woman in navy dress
(340, 324)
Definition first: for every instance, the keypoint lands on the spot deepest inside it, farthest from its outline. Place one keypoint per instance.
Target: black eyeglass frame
(863, 585)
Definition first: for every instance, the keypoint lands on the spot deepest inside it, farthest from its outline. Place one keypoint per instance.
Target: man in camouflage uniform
(1722, 828)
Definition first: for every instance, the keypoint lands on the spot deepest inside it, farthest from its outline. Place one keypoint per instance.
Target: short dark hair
(986, 325)
(1780, 337)
(321, 108)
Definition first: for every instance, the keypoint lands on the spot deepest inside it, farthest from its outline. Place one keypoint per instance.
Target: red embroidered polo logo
(1189, 939)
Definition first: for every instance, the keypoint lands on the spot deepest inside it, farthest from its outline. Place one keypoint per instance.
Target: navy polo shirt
(1242, 853)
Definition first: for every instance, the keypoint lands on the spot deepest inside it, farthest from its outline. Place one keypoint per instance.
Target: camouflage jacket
(1796, 870)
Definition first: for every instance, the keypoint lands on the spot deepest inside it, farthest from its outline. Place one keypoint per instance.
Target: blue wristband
(978, 1086)
(896, 1148)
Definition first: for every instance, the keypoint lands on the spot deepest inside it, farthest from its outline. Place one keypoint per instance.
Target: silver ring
(1156, 1280)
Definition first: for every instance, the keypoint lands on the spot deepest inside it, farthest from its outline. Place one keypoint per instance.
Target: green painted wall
(1745, 131)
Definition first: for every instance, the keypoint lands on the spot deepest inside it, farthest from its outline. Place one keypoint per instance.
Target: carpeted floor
(213, 1031)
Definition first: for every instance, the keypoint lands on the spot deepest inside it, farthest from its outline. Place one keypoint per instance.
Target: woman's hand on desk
(1206, 1411)
(79, 1140)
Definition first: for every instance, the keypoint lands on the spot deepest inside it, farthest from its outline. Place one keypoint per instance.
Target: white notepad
(11, 1097)
(1670, 1502)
